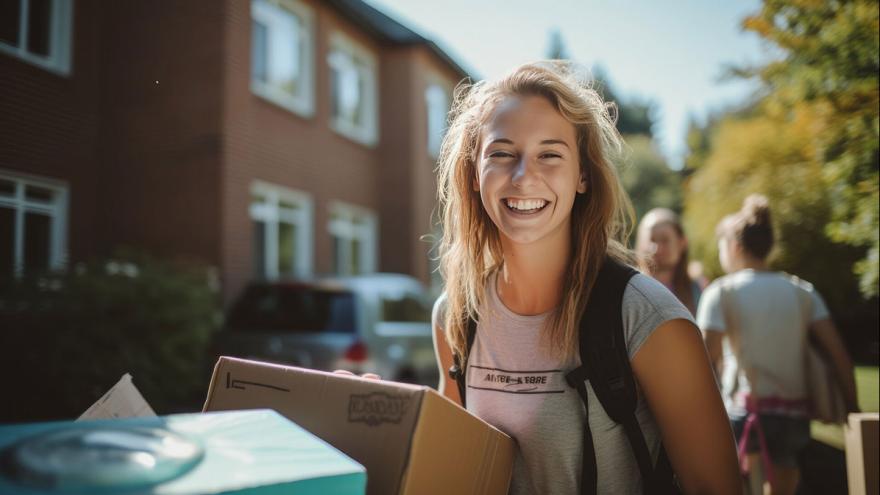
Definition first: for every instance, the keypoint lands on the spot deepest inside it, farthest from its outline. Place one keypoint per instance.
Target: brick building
(271, 138)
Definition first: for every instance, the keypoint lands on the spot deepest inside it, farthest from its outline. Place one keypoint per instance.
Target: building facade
(271, 138)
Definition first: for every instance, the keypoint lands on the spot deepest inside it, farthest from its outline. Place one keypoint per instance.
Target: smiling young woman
(533, 215)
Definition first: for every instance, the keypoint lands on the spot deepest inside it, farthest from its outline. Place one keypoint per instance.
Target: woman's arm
(714, 347)
(826, 335)
(443, 352)
(673, 371)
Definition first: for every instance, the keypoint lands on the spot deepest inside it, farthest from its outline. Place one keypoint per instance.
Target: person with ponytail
(662, 248)
(767, 318)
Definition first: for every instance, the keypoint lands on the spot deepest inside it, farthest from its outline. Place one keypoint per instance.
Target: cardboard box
(862, 443)
(240, 452)
(412, 440)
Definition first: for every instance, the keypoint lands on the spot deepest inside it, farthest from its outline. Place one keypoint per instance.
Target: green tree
(777, 153)
(647, 178)
(831, 59)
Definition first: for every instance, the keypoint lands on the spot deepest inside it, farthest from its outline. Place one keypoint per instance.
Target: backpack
(605, 363)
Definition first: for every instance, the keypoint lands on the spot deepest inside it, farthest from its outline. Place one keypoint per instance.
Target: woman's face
(528, 170)
(665, 246)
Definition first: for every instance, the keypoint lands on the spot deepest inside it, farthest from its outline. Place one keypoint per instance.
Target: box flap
(372, 421)
(456, 452)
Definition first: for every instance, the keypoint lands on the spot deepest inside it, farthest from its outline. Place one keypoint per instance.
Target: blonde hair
(470, 247)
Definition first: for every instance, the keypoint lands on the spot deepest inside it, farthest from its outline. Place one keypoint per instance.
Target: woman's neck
(531, 279)
(751, 263)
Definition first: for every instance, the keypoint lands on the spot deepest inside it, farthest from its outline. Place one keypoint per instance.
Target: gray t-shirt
(515, 385)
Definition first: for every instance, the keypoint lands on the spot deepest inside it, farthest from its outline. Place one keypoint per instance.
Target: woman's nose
(524, 174)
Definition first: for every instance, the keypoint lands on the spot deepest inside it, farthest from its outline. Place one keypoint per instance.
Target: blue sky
(670, 52)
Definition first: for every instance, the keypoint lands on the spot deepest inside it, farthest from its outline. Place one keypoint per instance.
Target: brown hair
(470, 248)
(751, 226)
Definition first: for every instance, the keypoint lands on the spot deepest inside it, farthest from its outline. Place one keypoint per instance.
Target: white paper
(123, 400)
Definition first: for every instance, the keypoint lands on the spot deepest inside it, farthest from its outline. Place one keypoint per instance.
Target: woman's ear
(582, 185)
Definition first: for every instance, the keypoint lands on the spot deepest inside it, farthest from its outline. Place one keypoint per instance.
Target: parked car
(378, 323)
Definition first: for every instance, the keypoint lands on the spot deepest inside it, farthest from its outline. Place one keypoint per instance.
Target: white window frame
(435, 139)
(60, 39)
(345, 228)
(272, 215)
(367, 66)
(56, 209)
(303, 103)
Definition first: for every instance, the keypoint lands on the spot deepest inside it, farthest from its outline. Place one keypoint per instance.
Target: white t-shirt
(514, 384)
(772, 328)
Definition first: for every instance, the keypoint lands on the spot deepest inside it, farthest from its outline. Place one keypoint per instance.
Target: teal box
(256, 452)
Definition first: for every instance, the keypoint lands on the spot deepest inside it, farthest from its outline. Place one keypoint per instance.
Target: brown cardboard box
(862, 444)
(412, 440)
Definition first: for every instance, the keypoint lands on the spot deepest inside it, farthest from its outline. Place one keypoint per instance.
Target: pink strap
(752, 420)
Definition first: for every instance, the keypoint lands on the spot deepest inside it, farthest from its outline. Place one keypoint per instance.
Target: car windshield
(293, 309)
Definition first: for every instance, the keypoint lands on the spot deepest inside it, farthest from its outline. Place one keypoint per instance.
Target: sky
(672, 53)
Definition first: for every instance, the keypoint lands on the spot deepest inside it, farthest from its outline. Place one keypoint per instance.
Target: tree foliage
(777, 154)
(831, 59)
(647, 178)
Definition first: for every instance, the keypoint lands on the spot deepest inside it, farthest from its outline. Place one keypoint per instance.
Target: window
(282, 232)
(38, 32)
(437, 103)
(353, 92)
(282, 63)
(33, 225)
(293, 309)
(354, 239)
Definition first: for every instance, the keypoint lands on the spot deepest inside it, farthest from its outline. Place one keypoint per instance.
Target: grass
(868, 386)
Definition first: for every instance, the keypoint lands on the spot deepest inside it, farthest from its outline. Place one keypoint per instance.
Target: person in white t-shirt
(769, 312)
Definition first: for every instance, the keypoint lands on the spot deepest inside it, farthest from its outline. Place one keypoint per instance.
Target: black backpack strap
(459, 366)
(605, 363)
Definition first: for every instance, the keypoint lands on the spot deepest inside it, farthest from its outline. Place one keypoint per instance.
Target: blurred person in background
(662, 248)
(765, 316)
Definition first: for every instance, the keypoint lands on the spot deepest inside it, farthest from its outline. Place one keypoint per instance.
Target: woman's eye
(550, 155)
(500, 154)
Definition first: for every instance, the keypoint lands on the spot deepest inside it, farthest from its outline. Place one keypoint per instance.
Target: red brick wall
(263, 141)
(49, 125)
(160, 126)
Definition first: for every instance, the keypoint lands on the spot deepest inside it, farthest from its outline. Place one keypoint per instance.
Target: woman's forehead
(526, 118)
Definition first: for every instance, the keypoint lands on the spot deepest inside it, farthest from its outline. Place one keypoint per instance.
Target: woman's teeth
(526, 204)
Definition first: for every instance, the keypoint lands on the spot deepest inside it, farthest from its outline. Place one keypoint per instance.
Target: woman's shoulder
(647, 304)
(438, 313)
(646, 291)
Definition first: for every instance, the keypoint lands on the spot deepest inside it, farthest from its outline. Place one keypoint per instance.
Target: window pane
(284, 51)
(259, 250)
(339, 263)
(7, 243)
(407, 308)
(286, 248)
(360, 110)
(346, 86)
(293, 309)
(259, 36)
(34, 193)
(356, 265)
(7, 187)
(10, 12)
(290, 205)
(37, 228)
(39, 27)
